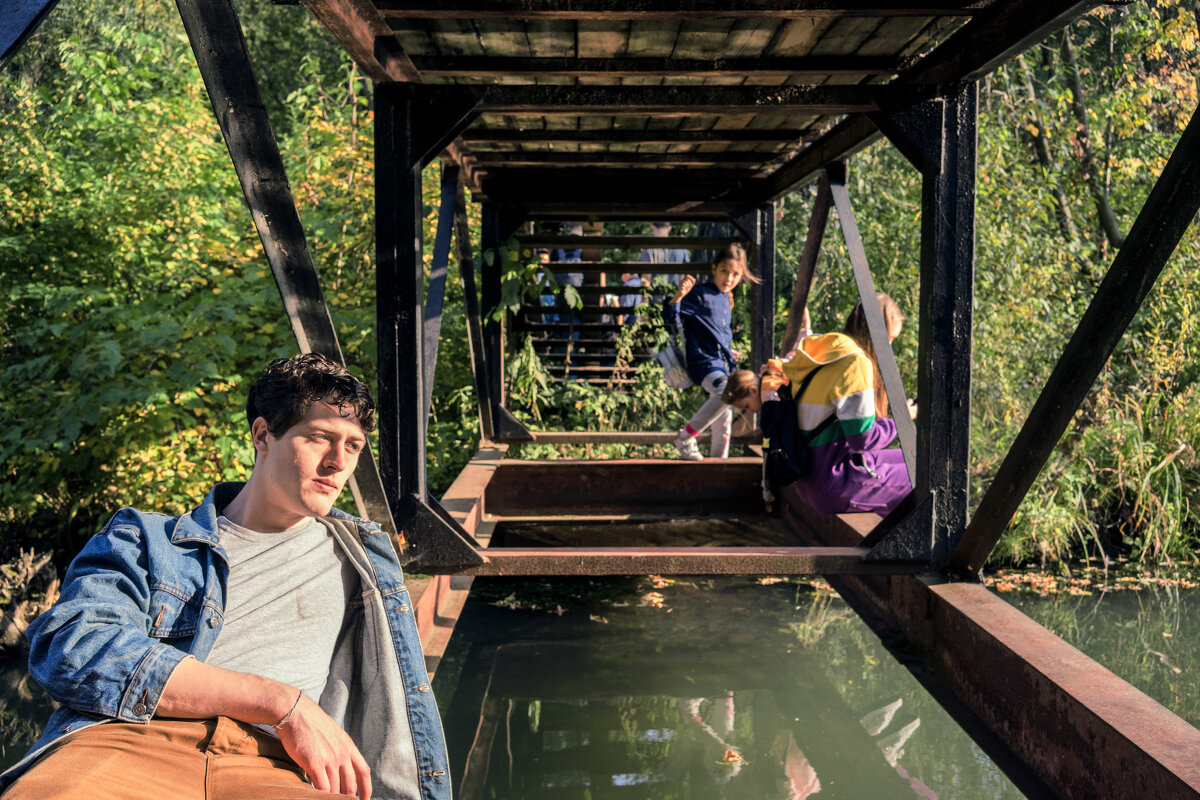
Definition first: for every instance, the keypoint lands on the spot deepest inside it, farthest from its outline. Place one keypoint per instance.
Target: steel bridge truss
(1057, 722)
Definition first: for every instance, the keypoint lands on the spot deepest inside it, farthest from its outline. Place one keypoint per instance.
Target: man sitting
(261, 645)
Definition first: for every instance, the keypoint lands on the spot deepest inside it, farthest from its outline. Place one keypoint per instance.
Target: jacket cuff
(149, 679)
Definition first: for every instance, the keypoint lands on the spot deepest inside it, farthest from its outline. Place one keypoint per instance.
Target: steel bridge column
(944, 350)
(763, 323)
(411, 126)
(399, 286)
(938, 136)
(490, 239)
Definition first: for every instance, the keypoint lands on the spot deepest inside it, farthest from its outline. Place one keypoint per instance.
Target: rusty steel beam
(631, 242)
(652, 486)
(510, 561)
(223, 59)
(366, 37)
(1165, 217)
(20, 19)
(626, 437)
(1057, 722)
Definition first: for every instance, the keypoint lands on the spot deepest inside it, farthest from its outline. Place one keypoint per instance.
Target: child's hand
(773, 367)
(736, 355)
(685, 285)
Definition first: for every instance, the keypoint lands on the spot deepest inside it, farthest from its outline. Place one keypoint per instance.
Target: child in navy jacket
(705, 310)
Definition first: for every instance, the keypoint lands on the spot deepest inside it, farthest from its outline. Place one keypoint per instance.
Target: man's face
(303, 471)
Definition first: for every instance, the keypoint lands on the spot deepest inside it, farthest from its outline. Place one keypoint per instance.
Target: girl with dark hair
(705, 310)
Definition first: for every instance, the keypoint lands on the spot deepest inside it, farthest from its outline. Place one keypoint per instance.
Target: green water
(1143, 629)
(617, 696)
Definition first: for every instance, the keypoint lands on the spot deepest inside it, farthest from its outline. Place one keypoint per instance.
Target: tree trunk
(1104, 209)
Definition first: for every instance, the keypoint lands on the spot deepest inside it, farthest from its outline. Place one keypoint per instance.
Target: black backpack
(787, 459)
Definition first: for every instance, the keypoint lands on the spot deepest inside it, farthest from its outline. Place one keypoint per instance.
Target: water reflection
(1143, 628)
(693, 690)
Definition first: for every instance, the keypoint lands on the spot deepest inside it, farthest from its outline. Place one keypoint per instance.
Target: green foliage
(1123, 479)
(135, 301)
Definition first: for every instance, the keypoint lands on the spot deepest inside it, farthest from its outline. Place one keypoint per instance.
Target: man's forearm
(197, 690)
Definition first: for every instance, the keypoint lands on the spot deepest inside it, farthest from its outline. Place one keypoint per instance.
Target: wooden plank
(622, 159)
(678, 9)
(691, 67)
(699, 38)
(672, 100)
(602, 38)
(846, 35)
(550, 38)
(798, 37)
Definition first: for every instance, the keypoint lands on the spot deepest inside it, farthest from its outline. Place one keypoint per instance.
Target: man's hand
(321, 748)
(316, 743)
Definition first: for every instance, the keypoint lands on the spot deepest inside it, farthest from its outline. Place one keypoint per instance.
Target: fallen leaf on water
(731, 757)
(652, 599)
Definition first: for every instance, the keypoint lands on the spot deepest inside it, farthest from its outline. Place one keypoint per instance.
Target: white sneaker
(686, 445)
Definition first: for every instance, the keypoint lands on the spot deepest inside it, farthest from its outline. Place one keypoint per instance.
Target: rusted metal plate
(625, 437)
(677, 561)
(437, 600)
(651, 486)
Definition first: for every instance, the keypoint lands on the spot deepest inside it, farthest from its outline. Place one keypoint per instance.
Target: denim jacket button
(423, 688)
(212, 622)
(139, 708)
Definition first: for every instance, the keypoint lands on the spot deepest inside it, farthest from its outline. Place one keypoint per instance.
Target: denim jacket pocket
(171, 616)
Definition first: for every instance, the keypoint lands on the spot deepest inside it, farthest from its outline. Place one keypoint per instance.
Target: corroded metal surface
(658, 486)
(675, 561)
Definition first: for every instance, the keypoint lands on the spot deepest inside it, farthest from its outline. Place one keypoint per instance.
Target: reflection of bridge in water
(705, 112)
(706, 697)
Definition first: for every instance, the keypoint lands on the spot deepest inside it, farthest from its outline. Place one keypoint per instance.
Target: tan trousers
(214, 759)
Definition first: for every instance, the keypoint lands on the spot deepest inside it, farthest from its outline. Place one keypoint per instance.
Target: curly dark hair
(288, 387)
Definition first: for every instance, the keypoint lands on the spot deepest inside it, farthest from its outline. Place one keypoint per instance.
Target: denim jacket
(149, 590)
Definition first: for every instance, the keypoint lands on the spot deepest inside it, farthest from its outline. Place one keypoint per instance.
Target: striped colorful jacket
(851, 468)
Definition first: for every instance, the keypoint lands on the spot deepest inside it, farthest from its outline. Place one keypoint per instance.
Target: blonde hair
(741, 384)
(856, 328)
